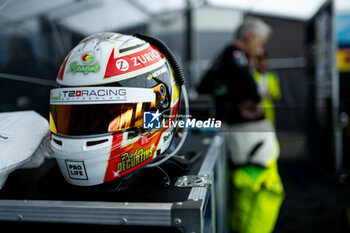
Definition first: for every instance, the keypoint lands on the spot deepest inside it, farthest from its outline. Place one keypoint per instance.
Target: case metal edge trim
(120, 213)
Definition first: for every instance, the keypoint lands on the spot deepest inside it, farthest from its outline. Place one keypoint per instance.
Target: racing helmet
(113, 109)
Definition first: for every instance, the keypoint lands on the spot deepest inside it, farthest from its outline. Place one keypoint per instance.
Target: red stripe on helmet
(124, 160)
(62, 68)
(132, 62)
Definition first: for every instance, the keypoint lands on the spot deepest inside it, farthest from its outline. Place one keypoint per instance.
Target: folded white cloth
(21, 134)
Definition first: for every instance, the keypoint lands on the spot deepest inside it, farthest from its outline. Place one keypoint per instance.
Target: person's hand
(250, 110)
(267, 95)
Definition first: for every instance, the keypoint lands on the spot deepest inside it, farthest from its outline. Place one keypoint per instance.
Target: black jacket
(230, 82)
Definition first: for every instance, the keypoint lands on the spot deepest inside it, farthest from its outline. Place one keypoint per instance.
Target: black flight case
(191, 198)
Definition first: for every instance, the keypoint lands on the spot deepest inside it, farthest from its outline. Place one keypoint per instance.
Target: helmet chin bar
(178, 147)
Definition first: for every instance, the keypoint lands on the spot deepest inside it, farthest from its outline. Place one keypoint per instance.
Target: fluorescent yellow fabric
(273, 88)
(257, 196)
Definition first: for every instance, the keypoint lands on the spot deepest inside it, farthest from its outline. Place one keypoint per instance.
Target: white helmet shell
(107, 58)
(105, 139)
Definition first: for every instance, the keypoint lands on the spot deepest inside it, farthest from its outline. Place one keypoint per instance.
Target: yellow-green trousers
(256, 196)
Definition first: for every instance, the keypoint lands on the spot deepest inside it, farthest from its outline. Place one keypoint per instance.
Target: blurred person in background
(18, 95)
(256, 190)
(268, 86)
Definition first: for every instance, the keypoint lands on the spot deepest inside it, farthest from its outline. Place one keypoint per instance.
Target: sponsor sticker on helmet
(132, 62)
(100, 95)
(76, 170)
(88, 58)
(122, 65)
(157, 73)
(84, 64)
(130, 160)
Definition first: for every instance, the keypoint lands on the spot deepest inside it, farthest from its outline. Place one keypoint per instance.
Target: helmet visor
(98, 110)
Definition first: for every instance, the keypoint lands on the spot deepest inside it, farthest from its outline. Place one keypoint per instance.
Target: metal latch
(193, 181)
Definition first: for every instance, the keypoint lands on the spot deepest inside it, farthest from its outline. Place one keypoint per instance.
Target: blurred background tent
(36, 35)
(54, 27)
(196, 30)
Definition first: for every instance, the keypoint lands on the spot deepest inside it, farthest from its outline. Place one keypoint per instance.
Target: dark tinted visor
(97, 110)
